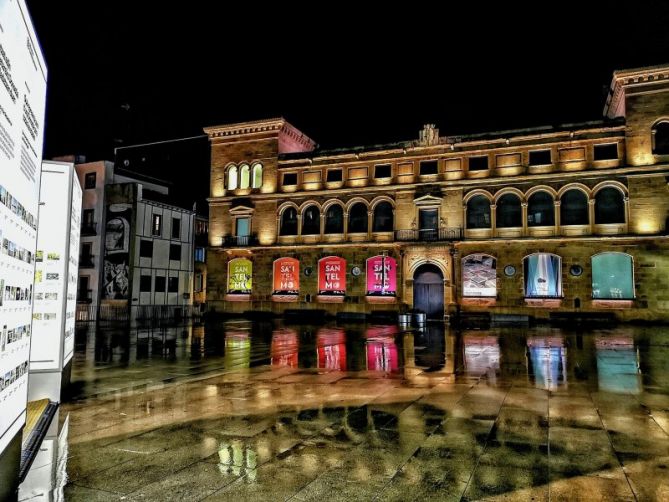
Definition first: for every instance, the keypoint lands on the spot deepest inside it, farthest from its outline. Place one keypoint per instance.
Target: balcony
(436, 235)
(89, 228)
(86, 261)
(84, 295)
(240, 240)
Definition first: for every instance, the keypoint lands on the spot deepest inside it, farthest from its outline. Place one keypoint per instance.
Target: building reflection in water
(381, 349)
(284, 348)
(331, 348)
(237, 349)
(548, 361)
(481, 355)
(237, 458)
(618, 364)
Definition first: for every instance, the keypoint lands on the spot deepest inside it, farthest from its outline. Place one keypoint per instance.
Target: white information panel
(56, 267)
(22, 100)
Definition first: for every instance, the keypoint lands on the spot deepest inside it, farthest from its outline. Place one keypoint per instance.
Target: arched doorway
(428, 291)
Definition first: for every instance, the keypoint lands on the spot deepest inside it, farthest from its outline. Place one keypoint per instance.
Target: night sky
(122, 73)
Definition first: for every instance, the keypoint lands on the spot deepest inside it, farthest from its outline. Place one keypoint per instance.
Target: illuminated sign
(286, 279)
(381, 276)
(240, 272)
(22, 103)
(332, 276)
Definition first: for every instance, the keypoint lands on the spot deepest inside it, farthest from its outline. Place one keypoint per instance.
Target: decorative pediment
(242, 209)
(428, 200)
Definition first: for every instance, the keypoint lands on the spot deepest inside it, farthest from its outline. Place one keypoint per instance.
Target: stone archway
(428, 291)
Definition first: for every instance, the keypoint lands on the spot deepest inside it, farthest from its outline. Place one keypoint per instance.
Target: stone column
(523, 211)
(493, 219)
(369, 225)
(558, 231)
(591, 215)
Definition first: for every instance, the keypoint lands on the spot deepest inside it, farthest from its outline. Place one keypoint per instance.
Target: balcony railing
(240, 240)
(86, 261)
(436, 235)
(89, 228)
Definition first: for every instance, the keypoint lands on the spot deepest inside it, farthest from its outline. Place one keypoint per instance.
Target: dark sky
(128, 72)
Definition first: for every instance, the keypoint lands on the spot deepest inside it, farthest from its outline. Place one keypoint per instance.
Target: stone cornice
(274, 126)
(622, 79)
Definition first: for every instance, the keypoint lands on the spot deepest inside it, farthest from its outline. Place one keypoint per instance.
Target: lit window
(257, 175)
(244, 176)
(156, 228)
(232, 178)
(612, 276)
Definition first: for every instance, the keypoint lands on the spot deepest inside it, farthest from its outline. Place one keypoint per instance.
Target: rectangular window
(199, 254)
(429, 167)
(289, 179)
(243, 227)
(145, 284)
(540, 158)
(175, 252)
(146, 249)
(176, 228)
(89, 180)
(334, 175)
(478, 163)
(173, 285)
(382, 171)
(198, 282)
(606, 152)
(157, 226)
(88, 218)
(160, 284)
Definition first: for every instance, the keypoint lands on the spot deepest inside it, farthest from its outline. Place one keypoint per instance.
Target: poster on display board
(56, 268)
(240, 275)
(286, 279)
(332, 276)
(22, 102)
(381, 276)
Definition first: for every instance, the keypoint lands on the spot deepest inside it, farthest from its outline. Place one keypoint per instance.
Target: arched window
(257, 175)
(509, 213)
(357, 218)
(244, 176)
(574, 208)
(661, 139)
(288, 222)
(543, 275)
(232, 178)
(478, 212)
(540, 210)
(479, 275)
(311, 221)
(334, 219)
(612, 276)
(609, 206)
(383, 217)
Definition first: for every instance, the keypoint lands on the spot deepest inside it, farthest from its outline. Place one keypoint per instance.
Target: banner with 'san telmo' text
(240, 272)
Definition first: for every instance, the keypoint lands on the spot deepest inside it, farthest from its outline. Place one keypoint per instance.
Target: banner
(240, 272)
(381, 276)
(286, 276)
(116, 276)
(332, 276)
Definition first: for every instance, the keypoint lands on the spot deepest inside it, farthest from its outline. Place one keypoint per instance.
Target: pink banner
(381, 276)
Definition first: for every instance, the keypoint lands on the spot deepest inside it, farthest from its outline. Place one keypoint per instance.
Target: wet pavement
(260, 411)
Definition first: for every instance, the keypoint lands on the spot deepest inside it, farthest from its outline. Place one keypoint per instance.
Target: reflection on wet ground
(250, 411)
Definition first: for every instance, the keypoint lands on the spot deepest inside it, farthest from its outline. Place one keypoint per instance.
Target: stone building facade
(542, 222)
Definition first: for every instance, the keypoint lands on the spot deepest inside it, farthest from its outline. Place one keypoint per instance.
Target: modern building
(201, 241)
(543, 222)
(136, 247)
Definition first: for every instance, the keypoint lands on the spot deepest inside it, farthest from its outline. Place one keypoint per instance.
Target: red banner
(331, 348)
(286, 276)
(332, 276)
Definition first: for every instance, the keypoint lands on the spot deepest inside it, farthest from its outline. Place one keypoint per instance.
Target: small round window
(509, 270)
(308, 271)
(356, 271)
(576, 270)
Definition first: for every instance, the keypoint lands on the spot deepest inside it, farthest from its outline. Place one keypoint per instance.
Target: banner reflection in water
(381, 349)
(548, 361)
(284, 348)
(331, 348)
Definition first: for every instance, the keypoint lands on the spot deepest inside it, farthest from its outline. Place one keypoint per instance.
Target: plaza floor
(273, 412)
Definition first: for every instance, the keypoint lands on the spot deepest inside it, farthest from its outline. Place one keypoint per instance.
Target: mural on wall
(332, 276)
(116, 279)
(240, 273)
(479, 275)
(286, 279)
(381, 276)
